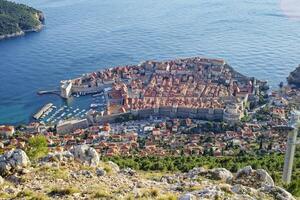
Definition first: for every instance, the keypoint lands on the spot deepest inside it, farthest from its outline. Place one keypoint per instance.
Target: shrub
(37, 147)
(294, 187)
(63, 191)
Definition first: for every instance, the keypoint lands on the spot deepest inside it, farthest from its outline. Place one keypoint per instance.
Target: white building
(66, 89)
(70, 126)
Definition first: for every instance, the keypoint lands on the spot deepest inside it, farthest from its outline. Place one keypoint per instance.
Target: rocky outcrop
(13, 161)
(198, 183)
(277, 192)
(1, 180)
(81, 153)
(114, 167)
(253, 178)
(187, 196)
(214, 174)
(221, 174)
(58, 157)
(20, 33)
(294, 77)
(100, 172)
(212, 192)
(85, 154)
(246, 184)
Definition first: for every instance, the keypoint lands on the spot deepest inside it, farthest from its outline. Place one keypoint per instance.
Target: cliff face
(16, 19)
(294, 77)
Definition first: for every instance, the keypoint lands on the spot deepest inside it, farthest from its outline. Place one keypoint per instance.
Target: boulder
(58, 157)
(277, 192)
(211, 192)
(221, 174)
(244, 171)
(100, 172)
(196, 171)
(253, 178)
(245, 192)
(187, 196)
(214, 174)
(1, 180)
(85, 154)
(128, 171)
(114, 167)
(264, 177)
(13, 161)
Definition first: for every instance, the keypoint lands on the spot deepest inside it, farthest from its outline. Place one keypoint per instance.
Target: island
(294, 77)
(17, 19)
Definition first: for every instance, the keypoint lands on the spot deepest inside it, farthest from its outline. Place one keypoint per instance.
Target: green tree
(37, 147)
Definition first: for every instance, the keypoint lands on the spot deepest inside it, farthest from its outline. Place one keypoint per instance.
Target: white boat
(96, 105)
(98, 94)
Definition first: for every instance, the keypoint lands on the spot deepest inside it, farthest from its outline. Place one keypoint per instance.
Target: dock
(42, 92)
(42, 111)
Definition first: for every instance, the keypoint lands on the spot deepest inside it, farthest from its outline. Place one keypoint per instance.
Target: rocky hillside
(79, 174)
(294, 77)
(16, 19)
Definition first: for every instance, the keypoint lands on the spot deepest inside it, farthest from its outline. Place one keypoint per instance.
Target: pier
(42, 92)
(42, 111)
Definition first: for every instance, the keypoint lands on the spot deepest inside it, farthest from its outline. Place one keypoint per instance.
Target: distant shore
(19, 19)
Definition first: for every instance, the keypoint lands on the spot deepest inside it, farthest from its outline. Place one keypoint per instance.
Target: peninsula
(17, 19)
(194, 87)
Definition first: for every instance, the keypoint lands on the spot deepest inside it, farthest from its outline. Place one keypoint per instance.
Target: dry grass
(56, 173)
(64, 191)
(106, 167)
(168, 196)
(28, 194)
(155, 176)
(150, 193)
(99, 191)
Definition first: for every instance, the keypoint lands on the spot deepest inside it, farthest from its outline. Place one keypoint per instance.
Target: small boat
(98, 94)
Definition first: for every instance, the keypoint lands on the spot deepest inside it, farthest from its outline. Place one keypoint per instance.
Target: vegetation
(28, 194)
(272, 163)
(18, 17)
(37, 147)
(63, 191)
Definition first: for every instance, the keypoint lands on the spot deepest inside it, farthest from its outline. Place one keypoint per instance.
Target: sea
(257, 38)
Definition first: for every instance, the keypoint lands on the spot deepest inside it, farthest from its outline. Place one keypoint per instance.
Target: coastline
(21, 33)
(39, 16)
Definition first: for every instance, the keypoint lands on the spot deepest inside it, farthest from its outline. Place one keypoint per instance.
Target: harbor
(43, 111)
(73, 108)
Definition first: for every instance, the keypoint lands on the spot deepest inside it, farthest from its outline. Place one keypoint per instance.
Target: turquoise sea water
(80, 36)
